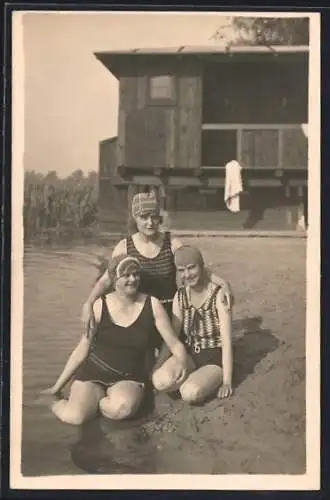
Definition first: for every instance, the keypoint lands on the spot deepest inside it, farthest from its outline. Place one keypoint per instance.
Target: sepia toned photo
(165, 329)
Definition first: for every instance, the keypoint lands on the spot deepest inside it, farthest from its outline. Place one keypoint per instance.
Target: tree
(274, 30)
(51, 176)
(264, 31)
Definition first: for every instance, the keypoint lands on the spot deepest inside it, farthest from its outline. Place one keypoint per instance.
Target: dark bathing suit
(158, 276)
(117, 352)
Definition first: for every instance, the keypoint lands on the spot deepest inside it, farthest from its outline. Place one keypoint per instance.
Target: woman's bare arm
(79, 354)
(225, 320)
(226, 293)
(100, 287)
(167, 332)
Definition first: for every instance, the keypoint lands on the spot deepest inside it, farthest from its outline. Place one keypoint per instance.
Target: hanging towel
(233, 186)
(301, 223)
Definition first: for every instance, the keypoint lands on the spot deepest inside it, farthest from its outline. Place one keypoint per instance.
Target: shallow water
(167, 437)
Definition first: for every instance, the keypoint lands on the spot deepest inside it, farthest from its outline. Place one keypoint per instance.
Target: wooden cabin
(185, 112)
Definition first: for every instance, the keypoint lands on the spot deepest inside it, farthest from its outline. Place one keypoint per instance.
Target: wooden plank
(131, 191)
(146, 179)
(298, 182)
(189, 121)
(171, 124)
(142, 92)
(121, 141)
(260, 147)
(128, 93)
(251, 126)
(184, 181)
(294, 148)
(264, 183)
(156, 139)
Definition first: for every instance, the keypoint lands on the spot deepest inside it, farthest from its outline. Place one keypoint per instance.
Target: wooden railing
(284, 150)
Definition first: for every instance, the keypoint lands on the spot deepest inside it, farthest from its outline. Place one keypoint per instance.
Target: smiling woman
(206, 325)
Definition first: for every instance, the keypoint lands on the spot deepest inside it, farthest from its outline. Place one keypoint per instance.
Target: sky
(70, 98)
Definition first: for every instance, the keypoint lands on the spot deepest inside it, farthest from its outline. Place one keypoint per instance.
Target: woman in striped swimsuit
(155, 251)
(206, 324)
(108, 365)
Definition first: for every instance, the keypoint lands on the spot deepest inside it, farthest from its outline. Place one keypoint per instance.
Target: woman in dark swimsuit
(108, 365)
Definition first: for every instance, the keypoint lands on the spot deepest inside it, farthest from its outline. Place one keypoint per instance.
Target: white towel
(233, 186)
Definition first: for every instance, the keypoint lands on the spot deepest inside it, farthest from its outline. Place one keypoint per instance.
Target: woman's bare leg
(82, 404)
(201, 384)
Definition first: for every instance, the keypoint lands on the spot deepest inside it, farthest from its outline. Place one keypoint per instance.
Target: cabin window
(162, 88)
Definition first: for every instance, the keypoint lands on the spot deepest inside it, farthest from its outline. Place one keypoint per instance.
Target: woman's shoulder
(120, 248)
(175, 242)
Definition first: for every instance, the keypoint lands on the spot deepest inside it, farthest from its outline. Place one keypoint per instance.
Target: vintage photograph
(165, 289)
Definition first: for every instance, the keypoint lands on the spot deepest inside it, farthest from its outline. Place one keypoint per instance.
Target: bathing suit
(201, 329)
(158, 277)
(117, 352)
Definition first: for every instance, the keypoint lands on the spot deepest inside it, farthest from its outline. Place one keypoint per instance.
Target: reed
(53, 204)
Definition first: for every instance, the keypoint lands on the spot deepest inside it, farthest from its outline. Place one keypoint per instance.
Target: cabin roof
(117, 60)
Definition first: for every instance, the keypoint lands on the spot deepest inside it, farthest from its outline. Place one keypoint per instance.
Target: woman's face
(128, 283)
(190, 275)
(147, 224)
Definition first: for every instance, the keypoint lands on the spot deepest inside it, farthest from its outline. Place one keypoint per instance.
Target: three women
(109, 366)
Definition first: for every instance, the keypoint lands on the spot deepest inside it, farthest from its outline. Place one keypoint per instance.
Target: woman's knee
(201, 384)
(191, 392)
(165, 378)
(117, 408)
(121, 402)
(162, 379)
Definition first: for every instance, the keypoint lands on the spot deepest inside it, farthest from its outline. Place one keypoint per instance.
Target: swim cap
(122, 264)
(187, 255)
(145, 203)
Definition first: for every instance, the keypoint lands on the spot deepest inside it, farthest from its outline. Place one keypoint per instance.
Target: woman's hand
(225, 391)
(186, 367)
(52, 391)
(87, 316)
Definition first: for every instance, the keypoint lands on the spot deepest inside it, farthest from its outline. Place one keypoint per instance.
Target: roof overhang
(120, 61)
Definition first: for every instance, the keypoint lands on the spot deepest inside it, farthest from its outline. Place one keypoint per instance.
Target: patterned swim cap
(145, 203)
(122, 264)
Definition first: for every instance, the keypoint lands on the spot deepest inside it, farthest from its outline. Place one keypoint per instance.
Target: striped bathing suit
(201, 328)
(158, 276)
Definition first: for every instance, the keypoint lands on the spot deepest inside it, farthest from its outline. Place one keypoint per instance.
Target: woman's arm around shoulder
(100, 287)
(175, 243)
(120, 248)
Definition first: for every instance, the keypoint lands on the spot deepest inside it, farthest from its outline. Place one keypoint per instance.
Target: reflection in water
(110, 447)
(107, 448)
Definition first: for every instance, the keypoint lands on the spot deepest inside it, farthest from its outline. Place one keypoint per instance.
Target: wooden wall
(112, 189)
(160, 134)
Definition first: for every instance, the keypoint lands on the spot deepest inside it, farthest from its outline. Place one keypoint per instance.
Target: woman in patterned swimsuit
(108, 365)
(155, 251)
(206, 325)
